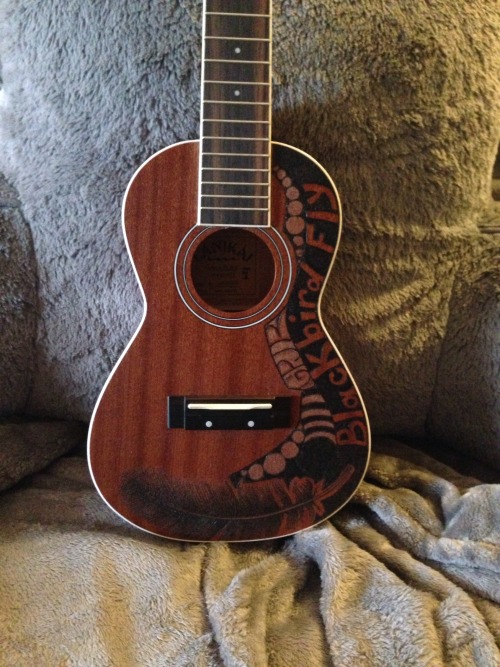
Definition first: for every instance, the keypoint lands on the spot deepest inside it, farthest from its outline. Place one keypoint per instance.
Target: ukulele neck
(235, 113)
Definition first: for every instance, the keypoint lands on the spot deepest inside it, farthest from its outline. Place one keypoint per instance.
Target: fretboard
(236, 113)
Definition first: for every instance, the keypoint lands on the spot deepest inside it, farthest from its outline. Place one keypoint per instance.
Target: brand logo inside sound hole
(232, 270)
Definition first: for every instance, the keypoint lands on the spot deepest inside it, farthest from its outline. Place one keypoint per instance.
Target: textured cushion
(398, 100)
(18, 312)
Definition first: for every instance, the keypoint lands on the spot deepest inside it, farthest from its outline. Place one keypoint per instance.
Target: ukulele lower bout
(231, 415)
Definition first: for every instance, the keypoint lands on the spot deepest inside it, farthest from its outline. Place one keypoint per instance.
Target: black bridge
(223, 414)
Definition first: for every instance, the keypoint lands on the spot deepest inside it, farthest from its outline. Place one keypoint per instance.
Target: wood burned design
(331, 412)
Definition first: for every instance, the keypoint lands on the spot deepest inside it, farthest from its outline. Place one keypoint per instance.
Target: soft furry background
(398, 100)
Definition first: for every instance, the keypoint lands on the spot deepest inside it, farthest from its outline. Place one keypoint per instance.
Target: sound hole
(232, 270)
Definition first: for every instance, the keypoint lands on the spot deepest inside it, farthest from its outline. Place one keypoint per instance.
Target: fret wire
(231, 120)
(238, 196)
(231, 102)
(208, 153)
(231, 208)
(240, 39)
(260, 185)
(257, 16)
(240, 83)
(237, 138)
(244, 62)
(231, 169)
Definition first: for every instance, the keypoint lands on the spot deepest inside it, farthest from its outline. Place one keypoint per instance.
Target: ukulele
(230, 415)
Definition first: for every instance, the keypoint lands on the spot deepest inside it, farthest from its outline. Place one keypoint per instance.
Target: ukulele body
(230, 415)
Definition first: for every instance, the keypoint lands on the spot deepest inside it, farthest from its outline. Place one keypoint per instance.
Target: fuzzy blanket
(407, 575)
